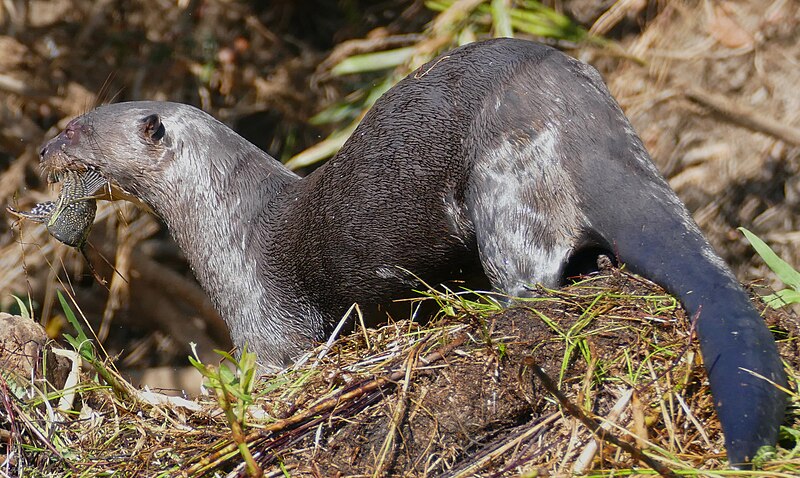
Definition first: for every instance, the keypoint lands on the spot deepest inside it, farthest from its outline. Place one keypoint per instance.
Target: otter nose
(55, 144)
(47, 148)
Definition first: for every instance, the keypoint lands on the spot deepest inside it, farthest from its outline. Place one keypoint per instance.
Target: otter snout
(55, 144)
(53, 154)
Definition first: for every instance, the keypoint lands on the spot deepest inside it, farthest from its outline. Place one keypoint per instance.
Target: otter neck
(214, 209)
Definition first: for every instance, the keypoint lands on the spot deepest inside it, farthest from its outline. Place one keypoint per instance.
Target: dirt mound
(476, 392)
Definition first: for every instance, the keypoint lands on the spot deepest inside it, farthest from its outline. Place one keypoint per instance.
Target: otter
(505, 157)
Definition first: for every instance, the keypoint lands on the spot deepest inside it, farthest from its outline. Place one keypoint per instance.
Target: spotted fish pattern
(69, 219)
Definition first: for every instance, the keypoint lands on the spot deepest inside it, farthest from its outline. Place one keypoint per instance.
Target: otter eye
(153, 128)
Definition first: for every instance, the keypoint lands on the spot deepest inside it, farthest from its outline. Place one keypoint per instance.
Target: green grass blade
(781, 268)
(338, 112)
(81, 343)
(322, 150)
(437, 6)
(23, 310)
(782, 298)
(379, 60)
(501, 19)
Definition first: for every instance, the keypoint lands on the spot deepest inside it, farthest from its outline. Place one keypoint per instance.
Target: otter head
(129, 144)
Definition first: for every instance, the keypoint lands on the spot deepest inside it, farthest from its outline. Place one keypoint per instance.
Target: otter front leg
(278, 344)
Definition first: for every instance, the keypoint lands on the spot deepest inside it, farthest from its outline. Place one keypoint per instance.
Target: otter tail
(654, 235)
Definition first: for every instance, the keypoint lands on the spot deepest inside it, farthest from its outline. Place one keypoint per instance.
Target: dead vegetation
(460, 396)
(710, 87)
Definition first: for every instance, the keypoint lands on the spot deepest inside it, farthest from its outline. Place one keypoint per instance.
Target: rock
(23, 345)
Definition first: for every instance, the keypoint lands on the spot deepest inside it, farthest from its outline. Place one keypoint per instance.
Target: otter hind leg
(524, 199)
(528, 222)
(515, 266)
(584, 257)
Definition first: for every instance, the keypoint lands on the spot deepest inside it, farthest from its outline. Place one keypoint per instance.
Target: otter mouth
(70, 217)
(107, 189)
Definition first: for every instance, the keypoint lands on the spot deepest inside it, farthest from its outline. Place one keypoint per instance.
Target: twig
(362, 389)
(478, 463)
(335, 334)
(618, 11)
(594, 425)
(743, 116)
(389, 448)
(15, 413)
(588, 453)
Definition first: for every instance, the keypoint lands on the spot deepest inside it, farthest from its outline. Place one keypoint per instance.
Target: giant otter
(506, 157)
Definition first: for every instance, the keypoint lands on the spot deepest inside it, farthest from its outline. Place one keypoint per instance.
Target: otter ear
(152, 128)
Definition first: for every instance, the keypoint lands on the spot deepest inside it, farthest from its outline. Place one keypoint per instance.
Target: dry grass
(456, 397)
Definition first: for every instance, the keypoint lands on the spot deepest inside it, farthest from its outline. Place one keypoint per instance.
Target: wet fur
(505, 157)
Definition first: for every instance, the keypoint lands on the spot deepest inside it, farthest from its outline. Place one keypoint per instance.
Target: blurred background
(711, 86)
